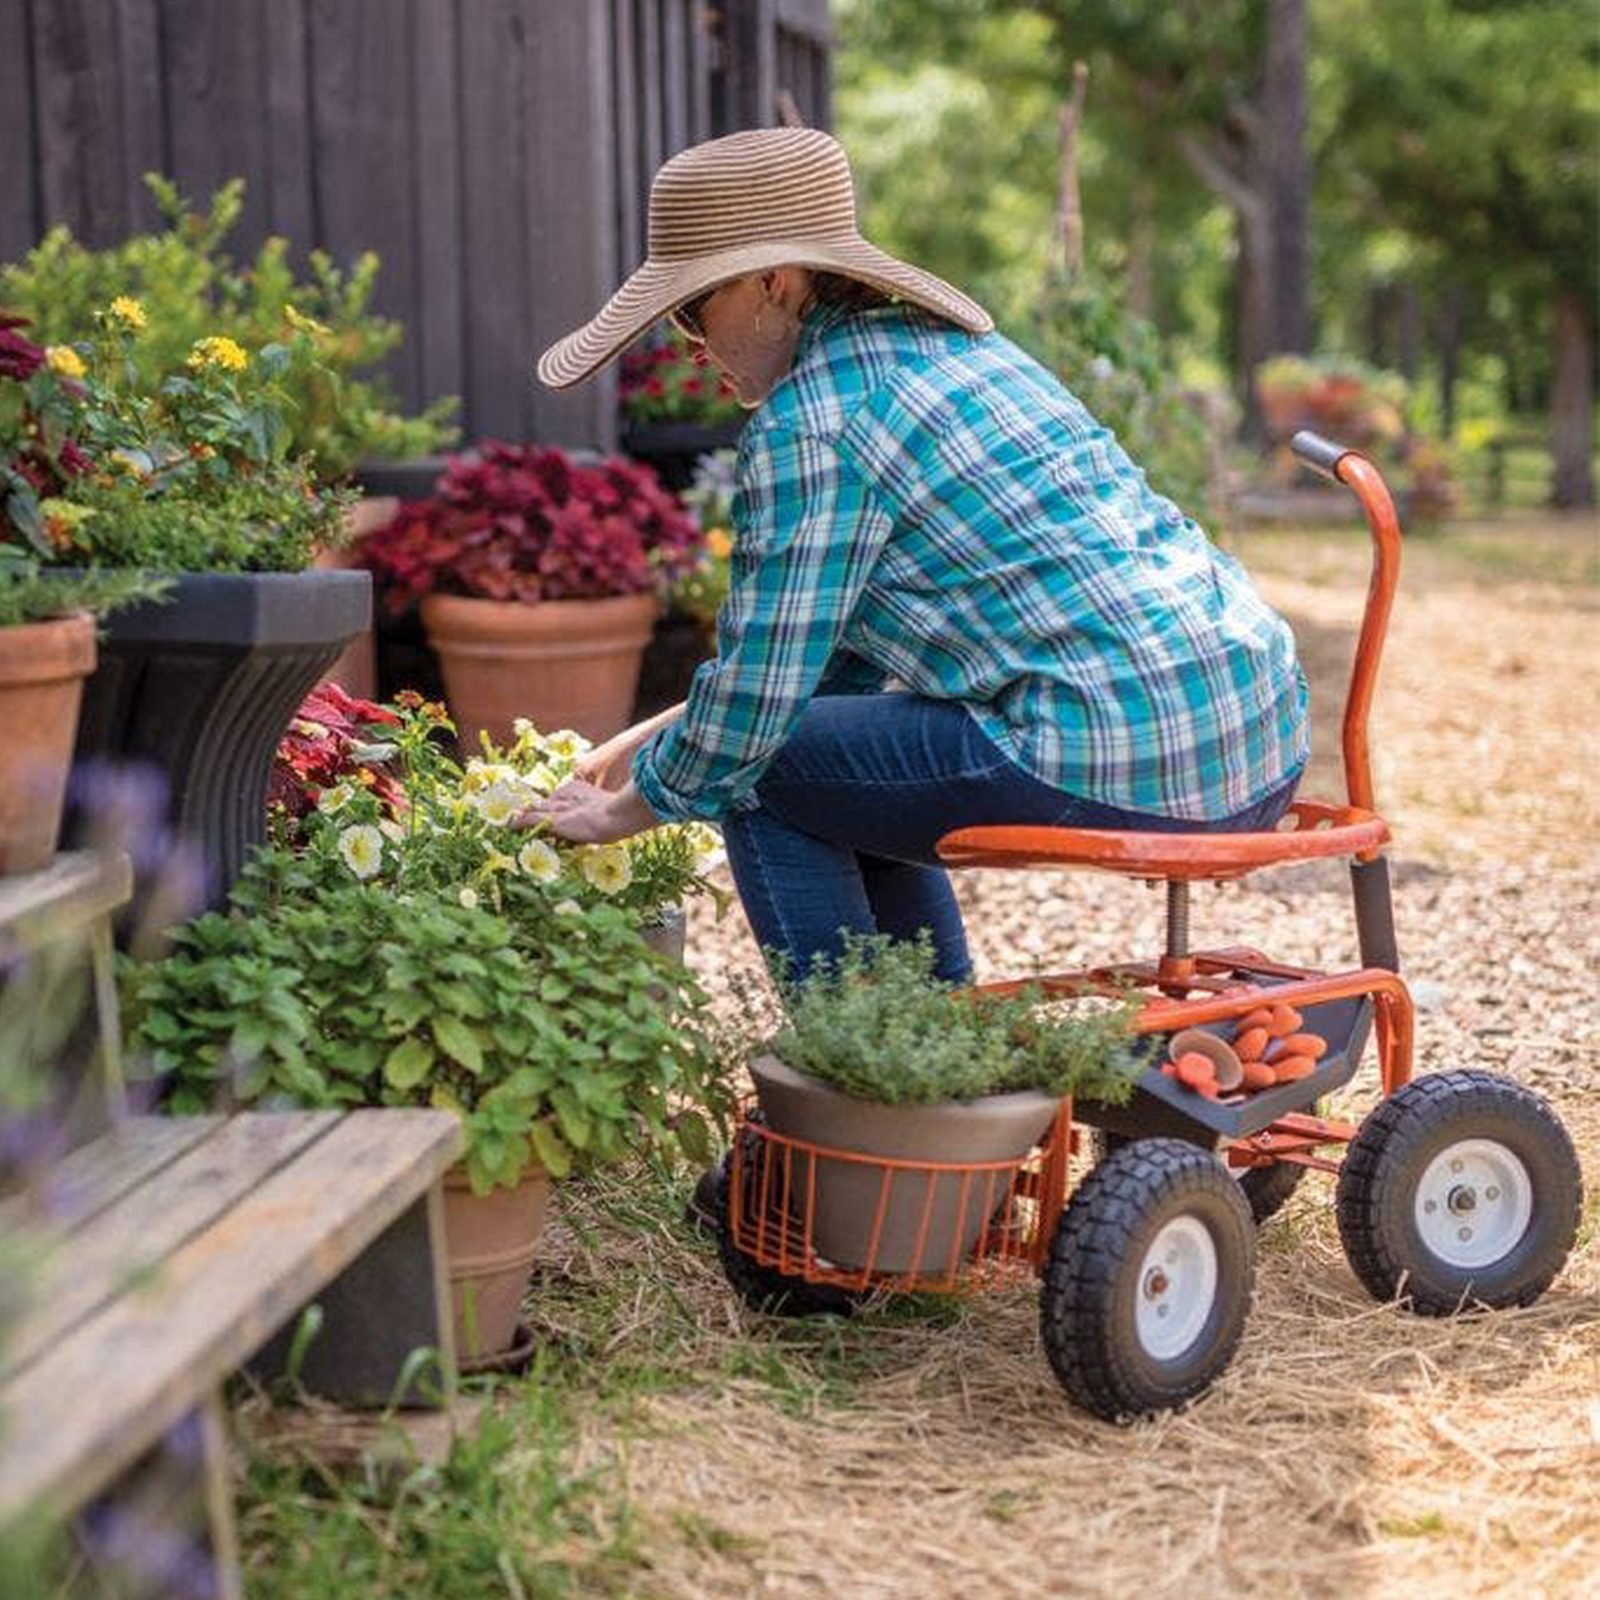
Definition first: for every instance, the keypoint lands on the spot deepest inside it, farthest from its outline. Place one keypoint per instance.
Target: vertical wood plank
(214, 51)
(143, 146)
(674, 75)
(651, 154)
(362, 150)
(700, 53)
(20, 221)
(632, 186)
(288, 176)
(571, 205)
(494, 217)
(80, 176)
(436, 324)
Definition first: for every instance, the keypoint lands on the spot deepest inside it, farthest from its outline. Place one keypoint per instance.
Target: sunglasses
(689, 318)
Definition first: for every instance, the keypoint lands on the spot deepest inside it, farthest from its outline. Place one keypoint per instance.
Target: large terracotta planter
(559, 663)
(1002, 1127)
(490, 1241)
(42, 668)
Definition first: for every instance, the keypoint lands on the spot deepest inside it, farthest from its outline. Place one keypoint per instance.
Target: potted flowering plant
(367, 791)
(538, 580)
(675, 407)
(191, 477)
(47, 633)
(399, 944)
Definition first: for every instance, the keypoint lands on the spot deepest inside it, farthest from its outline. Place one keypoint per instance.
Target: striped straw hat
(773, 197)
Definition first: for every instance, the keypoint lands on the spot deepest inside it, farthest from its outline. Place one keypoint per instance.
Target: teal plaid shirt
(915, 503)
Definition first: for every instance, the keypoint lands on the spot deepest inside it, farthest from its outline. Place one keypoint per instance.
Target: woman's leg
(908, 900)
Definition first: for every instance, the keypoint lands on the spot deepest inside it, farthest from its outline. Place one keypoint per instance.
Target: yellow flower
(539, 861)
(565, 745)
(298, 319)
(607, 868)
(64, 361)
(334, 800)
(219, 351)
(362, 849)
(497, 862)
(720, 543)
(130, 313)
(704, 840)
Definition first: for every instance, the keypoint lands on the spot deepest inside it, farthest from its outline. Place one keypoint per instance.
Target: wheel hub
(1178, 1281)
(1474, 1203)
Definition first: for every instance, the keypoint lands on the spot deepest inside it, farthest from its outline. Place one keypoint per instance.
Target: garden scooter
(1459, 1190)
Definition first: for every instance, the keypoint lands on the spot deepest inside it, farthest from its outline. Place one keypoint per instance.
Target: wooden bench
(166, 1254)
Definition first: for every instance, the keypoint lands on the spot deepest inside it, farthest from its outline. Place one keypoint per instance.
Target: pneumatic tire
(1148, 1286)
(1462, 1189)
(1267, 1189)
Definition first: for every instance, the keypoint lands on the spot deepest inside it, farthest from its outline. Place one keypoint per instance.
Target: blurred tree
(1474, 125)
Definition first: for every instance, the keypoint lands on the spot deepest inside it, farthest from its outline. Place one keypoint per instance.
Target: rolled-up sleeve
(808, 531)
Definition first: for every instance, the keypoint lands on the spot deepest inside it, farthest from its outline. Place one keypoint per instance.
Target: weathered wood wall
(496, 153)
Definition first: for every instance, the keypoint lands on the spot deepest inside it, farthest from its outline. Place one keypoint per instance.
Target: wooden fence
(496, 153)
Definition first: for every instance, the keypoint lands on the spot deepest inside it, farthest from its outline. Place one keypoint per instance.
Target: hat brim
(659, 288)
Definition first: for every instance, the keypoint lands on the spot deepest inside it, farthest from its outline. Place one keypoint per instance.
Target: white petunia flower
(607, 868)
(498, 804)
(335, 799)
(569, 908)
(539, 861)
(468, 898)
(362, 849)
(566, 745)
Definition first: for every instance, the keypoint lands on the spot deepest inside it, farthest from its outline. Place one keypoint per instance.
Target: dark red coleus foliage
(20, 357)
(319, 750)
(528, 523)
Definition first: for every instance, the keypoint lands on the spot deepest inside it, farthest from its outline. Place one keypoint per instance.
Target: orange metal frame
(1181, 990)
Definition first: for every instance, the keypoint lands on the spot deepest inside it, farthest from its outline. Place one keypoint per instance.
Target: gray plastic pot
(849, 1194)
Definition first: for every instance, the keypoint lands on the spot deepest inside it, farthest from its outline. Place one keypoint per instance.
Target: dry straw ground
(1352, 1449)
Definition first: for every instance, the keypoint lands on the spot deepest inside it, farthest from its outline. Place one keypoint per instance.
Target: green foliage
(877, 1024)
(29, 594)
(1114, 362)
(556, 1036)
(339, 411)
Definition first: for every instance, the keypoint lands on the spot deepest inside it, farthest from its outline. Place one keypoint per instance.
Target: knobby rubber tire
(1267, 1189)
(1088, 1303)
(765, 1289)
(1383, 1169)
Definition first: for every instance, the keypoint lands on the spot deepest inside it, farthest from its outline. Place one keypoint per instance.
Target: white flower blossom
(468, 898)
(334, 800)
(607, 867)
(539, 861)
(362, 849)
(569, 908)
(500, 803)
(566, 745)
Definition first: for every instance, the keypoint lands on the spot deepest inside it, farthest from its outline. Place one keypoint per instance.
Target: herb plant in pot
(879, 1059)
(554, 1034)
(539, 580)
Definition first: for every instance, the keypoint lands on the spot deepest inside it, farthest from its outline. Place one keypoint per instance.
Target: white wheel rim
(1474, 1203)
(1176, 1288)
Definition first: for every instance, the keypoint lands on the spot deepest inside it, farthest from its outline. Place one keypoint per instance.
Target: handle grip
(1321, 455)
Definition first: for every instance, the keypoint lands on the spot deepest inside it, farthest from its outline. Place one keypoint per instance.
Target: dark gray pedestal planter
(202, 687)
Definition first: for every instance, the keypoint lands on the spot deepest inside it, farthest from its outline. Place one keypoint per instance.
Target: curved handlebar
(1352, 469)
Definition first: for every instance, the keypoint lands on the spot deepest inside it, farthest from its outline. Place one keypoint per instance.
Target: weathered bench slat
(80, 1412)
(89, 1179)
(109, 1255)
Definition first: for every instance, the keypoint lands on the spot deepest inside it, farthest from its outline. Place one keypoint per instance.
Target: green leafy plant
(103, 466)
(338, 410)
(877, 1024)
(1115, 363)
(557, 1037)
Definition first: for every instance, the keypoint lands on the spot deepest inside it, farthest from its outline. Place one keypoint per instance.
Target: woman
(918, 503)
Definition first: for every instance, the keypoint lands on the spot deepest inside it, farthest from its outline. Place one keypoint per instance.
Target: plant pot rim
(49, 648)
(455, 1177)
(776, 1069)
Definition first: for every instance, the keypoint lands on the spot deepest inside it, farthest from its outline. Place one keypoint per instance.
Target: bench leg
(166, 1526)
(390, 1302)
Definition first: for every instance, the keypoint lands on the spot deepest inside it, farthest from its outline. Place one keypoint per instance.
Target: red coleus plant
(333, 737)
(528, 523)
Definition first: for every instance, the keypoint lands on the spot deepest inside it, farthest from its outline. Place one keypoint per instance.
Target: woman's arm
(606, 766)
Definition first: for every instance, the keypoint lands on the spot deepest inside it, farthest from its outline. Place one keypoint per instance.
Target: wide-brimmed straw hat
(772, 197)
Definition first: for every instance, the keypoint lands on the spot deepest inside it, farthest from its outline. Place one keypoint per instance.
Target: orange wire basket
(826, 1215)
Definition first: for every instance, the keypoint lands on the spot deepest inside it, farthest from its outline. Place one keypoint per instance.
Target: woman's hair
(834, 289)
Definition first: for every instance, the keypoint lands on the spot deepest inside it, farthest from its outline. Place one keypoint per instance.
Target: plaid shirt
(915, 503)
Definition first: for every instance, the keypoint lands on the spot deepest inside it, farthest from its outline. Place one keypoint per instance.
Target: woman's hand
(586, 814)
(607, 764)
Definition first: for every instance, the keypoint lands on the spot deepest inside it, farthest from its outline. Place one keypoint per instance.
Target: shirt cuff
(668, 803)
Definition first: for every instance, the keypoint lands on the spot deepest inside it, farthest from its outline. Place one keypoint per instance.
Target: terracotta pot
(356, 670)
(560, 663)
(490, 1241)
(42, 668)
(1002, 1127)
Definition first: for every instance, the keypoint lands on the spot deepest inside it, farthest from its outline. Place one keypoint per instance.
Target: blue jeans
(850, 810)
